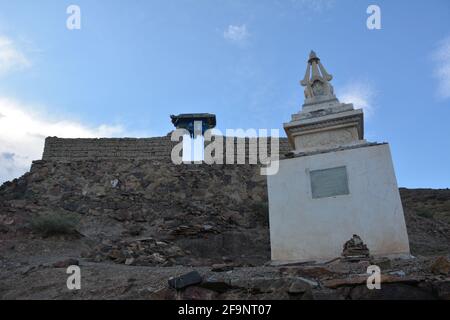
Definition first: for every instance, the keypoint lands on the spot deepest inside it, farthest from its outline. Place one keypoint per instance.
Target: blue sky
(133, 63)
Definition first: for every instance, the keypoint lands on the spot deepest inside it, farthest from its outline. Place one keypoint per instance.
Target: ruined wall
(157, 148)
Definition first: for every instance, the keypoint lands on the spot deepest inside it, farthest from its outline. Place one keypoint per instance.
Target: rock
(26, 270)
(158, 257)
(117, 255)
(311, 283)
(173, 250)
(441, 266)
(135, 230)
(114, 183)
(207, 227)
(66, 263)
(310, 272)
(335, 283)
(298, 287)
(8, 221)
(218, 285)
(185, 280)
(221, 267)
(129, 261)
(399, 273)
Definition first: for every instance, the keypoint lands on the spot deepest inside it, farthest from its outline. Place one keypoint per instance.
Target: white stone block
(304, 228)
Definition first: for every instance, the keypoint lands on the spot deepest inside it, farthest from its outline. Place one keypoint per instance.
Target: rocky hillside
(427, 214)
(186, 214)
(119, 216)
(155, 213)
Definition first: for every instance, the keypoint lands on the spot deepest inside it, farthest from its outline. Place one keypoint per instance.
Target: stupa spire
(316, 80)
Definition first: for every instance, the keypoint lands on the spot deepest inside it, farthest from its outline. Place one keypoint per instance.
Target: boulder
(185, 280)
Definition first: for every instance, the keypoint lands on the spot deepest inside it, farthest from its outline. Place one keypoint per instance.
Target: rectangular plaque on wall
(329, 182)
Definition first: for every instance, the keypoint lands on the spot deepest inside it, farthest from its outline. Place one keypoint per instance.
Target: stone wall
(60, 149)
(157, 148)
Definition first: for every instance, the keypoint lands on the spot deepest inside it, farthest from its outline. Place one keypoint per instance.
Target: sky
(133, 63)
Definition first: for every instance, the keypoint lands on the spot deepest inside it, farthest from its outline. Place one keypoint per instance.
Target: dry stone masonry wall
(58, 149)
(157, 148)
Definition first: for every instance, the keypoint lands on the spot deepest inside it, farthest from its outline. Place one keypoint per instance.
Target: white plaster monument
(334, 184)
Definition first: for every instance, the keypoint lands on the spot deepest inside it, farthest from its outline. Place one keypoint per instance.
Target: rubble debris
(142, 252)
(355, 249)
(185, 280)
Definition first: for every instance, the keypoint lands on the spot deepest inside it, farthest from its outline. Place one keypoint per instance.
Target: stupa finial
(316, 80)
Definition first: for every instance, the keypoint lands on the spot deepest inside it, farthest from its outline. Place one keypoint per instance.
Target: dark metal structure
(187, 120)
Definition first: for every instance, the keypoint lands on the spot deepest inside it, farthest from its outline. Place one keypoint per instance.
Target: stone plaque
(329, 182)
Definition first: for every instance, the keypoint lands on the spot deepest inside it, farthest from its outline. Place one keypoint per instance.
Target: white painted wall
(303, 228)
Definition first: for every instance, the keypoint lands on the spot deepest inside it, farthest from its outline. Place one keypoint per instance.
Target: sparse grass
(261, 212)
(424, 213)
(52, 224)
(261, 208)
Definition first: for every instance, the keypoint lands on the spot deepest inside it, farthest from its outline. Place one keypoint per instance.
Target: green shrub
(424, 213)
(261, 213)
(55, 224)
(261, 208)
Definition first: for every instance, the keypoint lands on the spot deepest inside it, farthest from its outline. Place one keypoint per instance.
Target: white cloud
(314, 5)
(236, 33)
(442, 69)
(11, 58)
(361, 94)
(22, 134)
